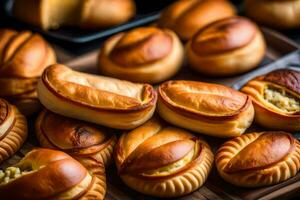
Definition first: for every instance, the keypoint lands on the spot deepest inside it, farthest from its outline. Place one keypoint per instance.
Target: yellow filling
(10, 174)
(174, 167)
(282, 99)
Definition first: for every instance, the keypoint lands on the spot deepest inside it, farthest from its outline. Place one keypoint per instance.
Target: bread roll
(276, 99)
(211, 109)
(89, 14)
(226, 47)
(13, 130)
(162, 161)
(23, 57)
(147, 55)
(98, 99)
(188, 16)
(259, 159)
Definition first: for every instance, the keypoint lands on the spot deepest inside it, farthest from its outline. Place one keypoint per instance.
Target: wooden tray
(281, 53)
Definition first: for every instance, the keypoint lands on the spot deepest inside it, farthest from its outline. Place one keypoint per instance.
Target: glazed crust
(278, 14)
(55, 176)
(123, 105)
(268, 114)
(144, 54)
(215, 50)
(187, 17)
(86, 142)
(13, 130)
(210, 109)
(23, 57)
(278, 159)
(141, 153)
(87, 14)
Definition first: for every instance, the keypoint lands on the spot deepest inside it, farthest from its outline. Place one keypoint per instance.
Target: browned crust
(192, 114)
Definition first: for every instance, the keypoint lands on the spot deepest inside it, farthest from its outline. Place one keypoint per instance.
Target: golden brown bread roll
(88, 143)
(50, 174)
(206, 108)
(147, 55)
(283, 14)
(98, 99)
(13, 130)
(276, 99)
(162, 161)
(226, 47)
(188, 16)
(92, 14)
(259, 159)
(23, 57)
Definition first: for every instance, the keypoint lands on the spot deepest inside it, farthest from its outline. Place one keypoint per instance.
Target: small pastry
(226, 47)
(162, 161)
(147, 55)
(206, 108)
(23, 57)
(89, 14)
(187, 17)
(279, 14)
(87, 143)
(276, 99)
(259, 159)
(13, 130)
(102, 100)
(50, 174)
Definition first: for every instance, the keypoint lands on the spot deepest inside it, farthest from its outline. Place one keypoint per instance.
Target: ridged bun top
(4, 110)
(224, 35)
(268, 149)
(70, 134)
(205, 99)
(23, 54)
(97, 92)
(141, 46)
(154, 146)
(47, 173)
(287, 78)
(7, 118)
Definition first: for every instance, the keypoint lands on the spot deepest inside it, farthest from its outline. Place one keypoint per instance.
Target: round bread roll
(162, 161)
(211, 109)
(90, 14)
(147, 55)
(13, 130)
(188, 16)
(23, 57)
(88, 143)
(50, 174)
(102, 100)
(283, 14)
(276, 99)
(259, 159)
(226, 47)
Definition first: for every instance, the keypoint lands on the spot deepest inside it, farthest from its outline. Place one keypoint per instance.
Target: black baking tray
(147, 12)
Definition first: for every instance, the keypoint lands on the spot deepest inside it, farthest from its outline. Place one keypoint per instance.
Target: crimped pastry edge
(262, 177)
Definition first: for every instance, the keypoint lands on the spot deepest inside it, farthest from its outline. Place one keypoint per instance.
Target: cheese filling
(282, 99)
(10, 174)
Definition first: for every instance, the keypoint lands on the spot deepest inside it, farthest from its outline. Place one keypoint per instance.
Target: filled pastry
(206, 108)
(278, 14)
(259, 159)
(188, 16)
(226, 47)
(276, 99)
(91, 14)
(102, 100)
(13, 130)
(162, 161)
(88, 143)
(50, 174)
(147, 55)
(23, 57)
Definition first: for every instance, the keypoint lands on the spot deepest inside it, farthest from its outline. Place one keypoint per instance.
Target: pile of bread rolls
(161, 152)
